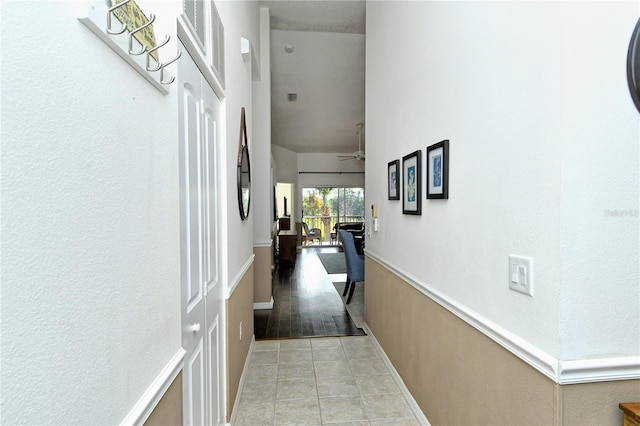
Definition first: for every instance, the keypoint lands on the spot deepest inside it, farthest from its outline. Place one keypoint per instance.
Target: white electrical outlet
(521, 274)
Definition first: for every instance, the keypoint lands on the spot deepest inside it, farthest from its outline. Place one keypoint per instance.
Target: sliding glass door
(323, 207)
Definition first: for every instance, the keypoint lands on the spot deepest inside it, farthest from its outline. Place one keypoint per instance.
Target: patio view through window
(324, 207)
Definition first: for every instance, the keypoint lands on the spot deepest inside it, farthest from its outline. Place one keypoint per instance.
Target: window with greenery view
(323, 207)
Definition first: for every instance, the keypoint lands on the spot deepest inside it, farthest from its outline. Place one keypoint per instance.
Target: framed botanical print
(438, 170)
(411, 183)
(393, 180)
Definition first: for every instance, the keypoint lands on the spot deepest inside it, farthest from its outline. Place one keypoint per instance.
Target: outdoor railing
(319, 222)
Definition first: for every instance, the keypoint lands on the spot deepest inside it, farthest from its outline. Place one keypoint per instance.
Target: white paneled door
(201, 294)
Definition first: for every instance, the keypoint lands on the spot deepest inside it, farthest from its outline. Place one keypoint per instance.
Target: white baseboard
(413, 405)
(243, 378)
(263, 305)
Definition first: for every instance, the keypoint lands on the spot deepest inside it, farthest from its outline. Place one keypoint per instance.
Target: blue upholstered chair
(355, 263)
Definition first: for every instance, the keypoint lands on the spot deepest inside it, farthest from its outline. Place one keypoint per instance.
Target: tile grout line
(370, 342)
(275, 397)
(315, 375)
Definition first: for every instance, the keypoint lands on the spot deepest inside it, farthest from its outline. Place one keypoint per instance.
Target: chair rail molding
(599, 370)
(154, 393)
(261, 244)
(233, 284)
(561, 372)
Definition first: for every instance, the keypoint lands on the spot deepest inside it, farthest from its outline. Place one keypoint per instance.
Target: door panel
(195, 407)
(214, 380)
(201, 290)
(214, 298)
(211, 115)
(191, 255)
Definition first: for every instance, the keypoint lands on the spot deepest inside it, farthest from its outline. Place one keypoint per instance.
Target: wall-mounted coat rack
(128, 32)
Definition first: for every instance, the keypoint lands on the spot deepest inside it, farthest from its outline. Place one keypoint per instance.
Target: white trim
(263, 305)
(599, 370)
(562, 372)
(154, 393)
(262, 244)
(190, 43)
(413, 405)
(236, 280)
(243, 378)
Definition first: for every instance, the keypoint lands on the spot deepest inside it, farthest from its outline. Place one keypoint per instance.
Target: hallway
(320, 381)
(310, 364)
(306, 303)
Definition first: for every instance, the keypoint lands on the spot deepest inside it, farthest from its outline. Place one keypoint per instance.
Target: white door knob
(194, 327)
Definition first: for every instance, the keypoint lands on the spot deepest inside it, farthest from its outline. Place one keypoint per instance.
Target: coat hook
(109, 12)
(152, 18)
(166, 40)
(164, 65)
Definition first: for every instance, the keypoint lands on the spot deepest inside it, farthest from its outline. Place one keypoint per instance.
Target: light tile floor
(320, 381)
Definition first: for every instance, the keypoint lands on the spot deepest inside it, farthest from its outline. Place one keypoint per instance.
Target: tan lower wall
(262, 274)
(239, 310)
(457, 375)
(597, 403)
(169, 408)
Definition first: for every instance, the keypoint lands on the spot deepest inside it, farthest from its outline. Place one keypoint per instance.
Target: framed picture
(394, 182)
(411, 181)
(438, 170)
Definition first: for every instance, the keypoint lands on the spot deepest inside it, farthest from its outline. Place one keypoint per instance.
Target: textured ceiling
(325, 70)
(328, 16)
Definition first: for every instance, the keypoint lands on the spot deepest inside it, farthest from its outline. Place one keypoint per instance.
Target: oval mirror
(244, 171)
(633, 66)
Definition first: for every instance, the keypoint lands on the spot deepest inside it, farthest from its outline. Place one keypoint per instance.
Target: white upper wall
(261, 180)
(90, 220)
(600, 290)
(240, 19)
(286, 164)
(533, 99)
(90, 211)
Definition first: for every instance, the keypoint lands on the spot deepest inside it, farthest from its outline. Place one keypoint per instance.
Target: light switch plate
(521, 274)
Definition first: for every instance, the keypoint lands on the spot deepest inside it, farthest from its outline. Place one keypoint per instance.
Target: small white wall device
(374, 216)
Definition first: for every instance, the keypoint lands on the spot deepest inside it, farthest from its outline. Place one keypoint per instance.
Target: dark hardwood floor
(305, 302)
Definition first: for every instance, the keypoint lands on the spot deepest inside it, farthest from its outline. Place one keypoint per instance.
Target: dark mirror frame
(244, 170)
(633, 66)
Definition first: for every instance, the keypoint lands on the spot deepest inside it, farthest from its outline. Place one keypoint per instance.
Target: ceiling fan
(359, 154)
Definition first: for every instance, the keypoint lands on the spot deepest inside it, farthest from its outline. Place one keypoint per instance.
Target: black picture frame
(412, 183)
(438, 170)
(393, 180)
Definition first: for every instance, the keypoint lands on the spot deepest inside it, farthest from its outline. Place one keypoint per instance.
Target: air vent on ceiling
(292, 97)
